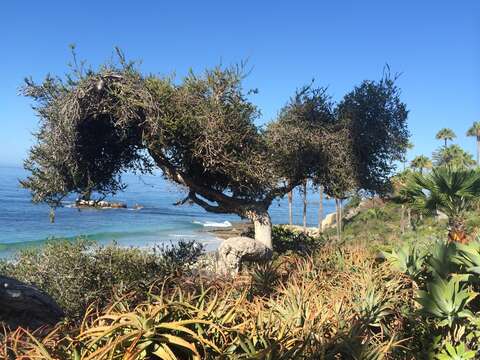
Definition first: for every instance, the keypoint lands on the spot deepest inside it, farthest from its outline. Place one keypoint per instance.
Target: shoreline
(223, 233)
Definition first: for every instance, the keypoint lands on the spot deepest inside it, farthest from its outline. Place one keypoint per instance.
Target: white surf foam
(224, 224)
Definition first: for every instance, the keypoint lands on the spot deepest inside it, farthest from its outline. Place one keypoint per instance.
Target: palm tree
(446, 134)
(453, 156)
(399, 182)
(304, 205)
(408, 146)
(290, 207)
(320, 209)
(449, 190)
(420, 163)
(475, 132)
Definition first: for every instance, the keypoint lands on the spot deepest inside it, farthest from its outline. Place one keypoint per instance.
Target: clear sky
(435, 44)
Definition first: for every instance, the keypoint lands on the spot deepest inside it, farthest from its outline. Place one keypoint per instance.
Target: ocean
(158, 222)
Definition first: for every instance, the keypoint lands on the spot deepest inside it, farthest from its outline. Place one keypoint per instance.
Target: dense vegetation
(317, 298)
(397, 277)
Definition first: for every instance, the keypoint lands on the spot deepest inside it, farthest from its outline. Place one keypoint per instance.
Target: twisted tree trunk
(262, 224)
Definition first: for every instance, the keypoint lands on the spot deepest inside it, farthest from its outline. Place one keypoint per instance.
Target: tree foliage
(474, 130)
(453, 156)
(201, 133)
(446, 135)
(420, 163)
(450, 190)
(376, 118)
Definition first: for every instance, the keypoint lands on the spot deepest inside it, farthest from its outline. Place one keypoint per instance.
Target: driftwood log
(26, 306)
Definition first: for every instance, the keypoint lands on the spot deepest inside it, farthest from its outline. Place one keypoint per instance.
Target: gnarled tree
(200, 132)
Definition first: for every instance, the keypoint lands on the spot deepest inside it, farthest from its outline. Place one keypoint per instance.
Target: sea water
(156, 221)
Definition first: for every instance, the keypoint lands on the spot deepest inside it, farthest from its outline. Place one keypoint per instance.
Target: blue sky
(434, 44)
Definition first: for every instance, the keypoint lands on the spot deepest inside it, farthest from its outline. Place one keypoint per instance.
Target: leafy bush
(78, 273)
(285, 240)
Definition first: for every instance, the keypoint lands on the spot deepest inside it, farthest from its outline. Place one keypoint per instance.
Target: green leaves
(441, 260)
(449, 190)
(460, 352)
(468, 256)
(446, 301)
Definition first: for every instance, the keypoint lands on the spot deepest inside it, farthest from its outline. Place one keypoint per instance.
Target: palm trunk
(290, 207)
(456, 230)
(320, 209)
(305, 205)
(337, 218)
(409, 218)
(402, 220)
(340, 219)
(478, 150)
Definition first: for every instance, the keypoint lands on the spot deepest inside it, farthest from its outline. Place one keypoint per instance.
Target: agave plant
(407, 259)
(440, 262)
(459, 352)
(446, 301)
(468, 256)
(450, 190)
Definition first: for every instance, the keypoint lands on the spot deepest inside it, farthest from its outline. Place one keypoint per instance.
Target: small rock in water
(100, 204)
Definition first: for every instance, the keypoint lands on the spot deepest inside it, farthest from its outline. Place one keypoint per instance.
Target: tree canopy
(474, 130)
(420, 163)
(453, 156)
(376, 118)
(201, 133)
(446, 135)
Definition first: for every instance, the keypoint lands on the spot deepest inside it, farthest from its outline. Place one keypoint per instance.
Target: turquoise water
(158, 222)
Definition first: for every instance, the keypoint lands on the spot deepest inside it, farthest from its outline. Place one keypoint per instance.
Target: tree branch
(219, 209)
(180, 178)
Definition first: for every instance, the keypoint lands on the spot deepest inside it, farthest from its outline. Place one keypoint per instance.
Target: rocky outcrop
(364, 204)
(101, 204)
(26, 306)
(329, 221)
(233, 251)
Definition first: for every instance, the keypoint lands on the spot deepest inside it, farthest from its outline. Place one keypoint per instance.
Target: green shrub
(78, 273)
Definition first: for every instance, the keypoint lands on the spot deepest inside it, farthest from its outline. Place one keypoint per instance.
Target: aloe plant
(446, 301)
(373, 307)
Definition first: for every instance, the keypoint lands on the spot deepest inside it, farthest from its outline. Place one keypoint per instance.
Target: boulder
(329, 221)
(441, 216)
(118, 205)
(26, 306)
(235, 250)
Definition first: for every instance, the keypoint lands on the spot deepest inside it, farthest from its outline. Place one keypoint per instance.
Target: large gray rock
(233, 251)
(26, 306)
